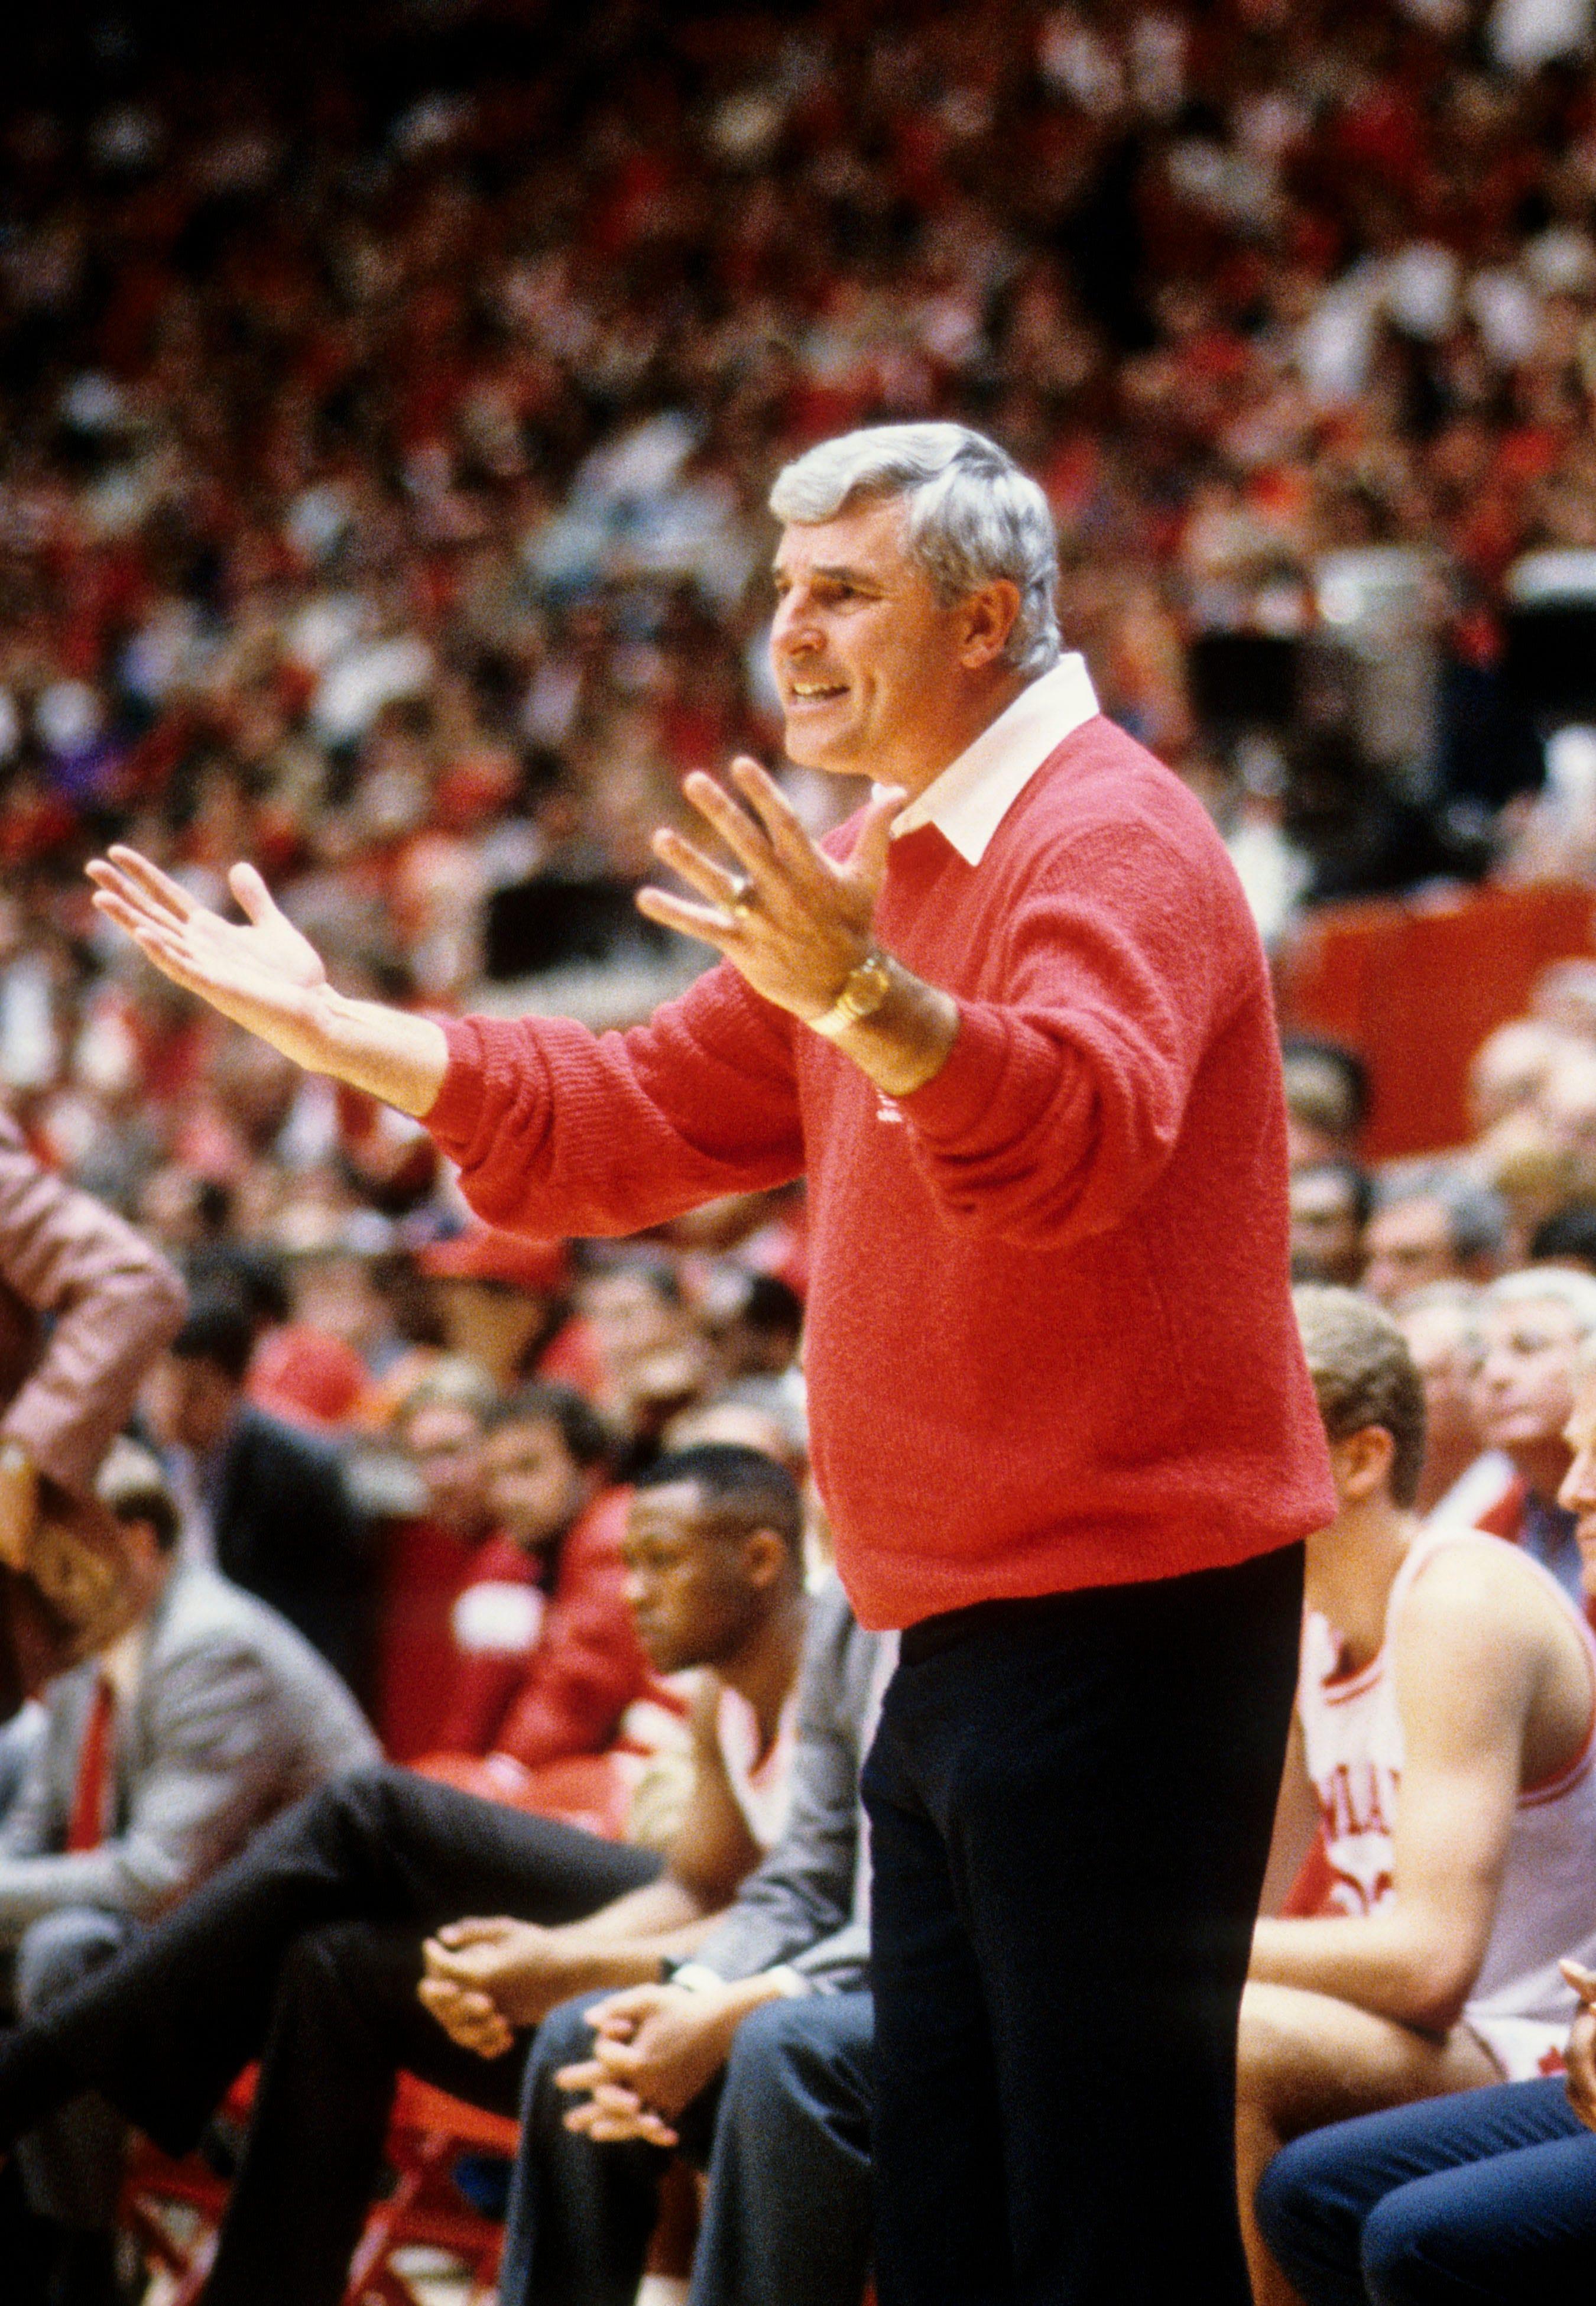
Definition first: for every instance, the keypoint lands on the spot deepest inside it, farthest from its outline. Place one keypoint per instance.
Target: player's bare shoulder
(1480, 1621)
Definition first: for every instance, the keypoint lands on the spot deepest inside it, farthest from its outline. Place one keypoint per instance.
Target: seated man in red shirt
(548, 1659)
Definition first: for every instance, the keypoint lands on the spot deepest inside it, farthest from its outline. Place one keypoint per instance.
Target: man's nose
(1579, 1483)
(792, 629)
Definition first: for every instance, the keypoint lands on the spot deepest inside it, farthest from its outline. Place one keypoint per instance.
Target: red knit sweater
(1050, 1339)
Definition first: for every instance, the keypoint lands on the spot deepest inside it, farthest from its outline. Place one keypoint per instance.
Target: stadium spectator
(1331, 1201)
(1327, 1100)
(1461, 1479)
(500, 1300)
(265, 1502)
(1509, 1071)
(1430, 1222)
(440, 1431)
(546, 1657)
(160, 1758)
(1530, 1327)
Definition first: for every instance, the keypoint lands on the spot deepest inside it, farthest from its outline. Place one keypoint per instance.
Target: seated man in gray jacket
(159, 1758)
(753, 2057)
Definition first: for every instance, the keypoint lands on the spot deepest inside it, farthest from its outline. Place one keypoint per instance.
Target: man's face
(444, 1445)
(1409, 1245)
(1578, 1492)
(865, 657)
(1524, 1382)
(629, 1318)
(1441, 1341)
(189, 1402)
(689, 1593)
(1325, 1237)
(535, 1489)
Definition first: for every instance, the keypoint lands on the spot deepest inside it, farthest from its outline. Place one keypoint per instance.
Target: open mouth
(814, 692)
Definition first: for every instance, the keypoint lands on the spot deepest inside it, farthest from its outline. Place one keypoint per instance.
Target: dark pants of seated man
(1070, 1803)
(305, 1953)
(1487, 2199)
(784, 2137)
(71, 2163)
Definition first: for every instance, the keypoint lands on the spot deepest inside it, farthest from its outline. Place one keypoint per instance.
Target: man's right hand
(262, 973)
(265, 976)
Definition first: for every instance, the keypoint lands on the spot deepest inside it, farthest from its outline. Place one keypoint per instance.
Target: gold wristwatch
(864, 989)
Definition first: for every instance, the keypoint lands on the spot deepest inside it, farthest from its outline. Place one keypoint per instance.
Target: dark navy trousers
(1070, 1803)
(1487, 2199)
(785, 2137)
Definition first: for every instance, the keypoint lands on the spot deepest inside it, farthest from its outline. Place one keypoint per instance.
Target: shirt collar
(123, 1661)
(969, 799)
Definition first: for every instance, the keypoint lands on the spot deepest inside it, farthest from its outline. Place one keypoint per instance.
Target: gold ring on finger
(741, 901)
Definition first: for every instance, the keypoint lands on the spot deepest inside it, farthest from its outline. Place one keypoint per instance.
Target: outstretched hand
(259, 972)
(793, 921)
(263, 975)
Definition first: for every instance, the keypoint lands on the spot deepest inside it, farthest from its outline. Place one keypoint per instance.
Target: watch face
(866, 989)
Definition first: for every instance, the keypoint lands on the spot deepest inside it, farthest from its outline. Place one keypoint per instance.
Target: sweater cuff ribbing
(453, 1118)
(956, 1102)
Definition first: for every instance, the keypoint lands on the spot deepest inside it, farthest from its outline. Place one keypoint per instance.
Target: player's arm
(484, 1977)
(1468, 1658)
(710, 1853)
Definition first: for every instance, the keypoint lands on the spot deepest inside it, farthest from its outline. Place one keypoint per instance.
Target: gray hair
(1558, 1285)
(1476, 1213)
(973, 516)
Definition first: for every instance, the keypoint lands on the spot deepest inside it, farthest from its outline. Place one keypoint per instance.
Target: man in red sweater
(1014, 1023)
(546, 1656)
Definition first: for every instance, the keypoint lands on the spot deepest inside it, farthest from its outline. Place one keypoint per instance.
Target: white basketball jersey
(761, 1785)
(1351, 1733)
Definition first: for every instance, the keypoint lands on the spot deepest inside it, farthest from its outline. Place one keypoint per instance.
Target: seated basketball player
(1443, 1717)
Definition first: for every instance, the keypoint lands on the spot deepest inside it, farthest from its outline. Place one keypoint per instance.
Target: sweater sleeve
(1061, 1102)
(559, 1132)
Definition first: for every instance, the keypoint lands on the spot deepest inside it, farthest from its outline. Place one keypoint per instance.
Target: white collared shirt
(123, 1663)
(969, 799)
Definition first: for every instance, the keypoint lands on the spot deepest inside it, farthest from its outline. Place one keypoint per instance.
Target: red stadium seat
(173, 2208)
(1413, 989)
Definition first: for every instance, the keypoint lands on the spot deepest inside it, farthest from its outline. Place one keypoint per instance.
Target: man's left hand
(655, 2047)
(792, 920)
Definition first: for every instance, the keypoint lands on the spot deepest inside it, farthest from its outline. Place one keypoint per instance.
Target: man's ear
(986, 622)
(764, 1559)
(1363, 1464)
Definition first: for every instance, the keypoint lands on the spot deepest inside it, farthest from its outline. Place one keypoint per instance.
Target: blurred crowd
(1448, 1244)
(383, 453)
(385, 450)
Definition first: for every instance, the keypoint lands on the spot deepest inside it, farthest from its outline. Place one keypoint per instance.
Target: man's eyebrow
(838, 573)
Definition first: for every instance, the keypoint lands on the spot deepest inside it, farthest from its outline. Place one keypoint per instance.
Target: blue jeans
(785, 2139)
(1487, 2199)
